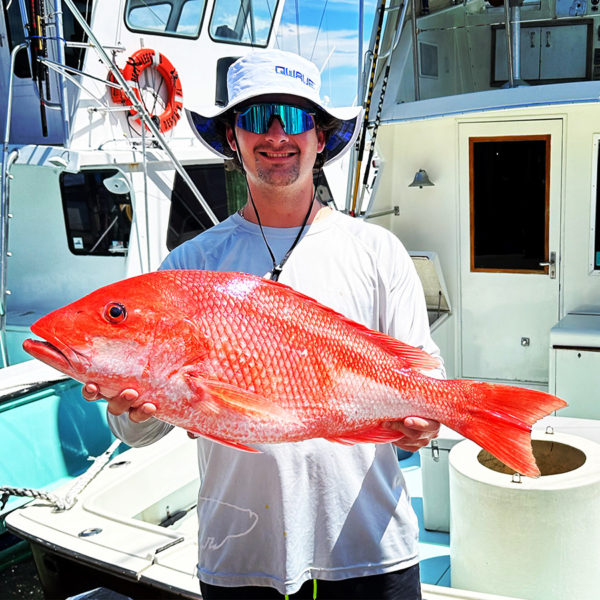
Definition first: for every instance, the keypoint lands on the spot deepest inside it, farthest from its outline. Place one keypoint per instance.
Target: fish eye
(115, 312)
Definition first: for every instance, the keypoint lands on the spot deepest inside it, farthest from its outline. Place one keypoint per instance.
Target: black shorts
(399, 585)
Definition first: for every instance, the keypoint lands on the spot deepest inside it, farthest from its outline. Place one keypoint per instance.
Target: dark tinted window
(224, 191)
(509, 203)
(597, 219)
(98, 221)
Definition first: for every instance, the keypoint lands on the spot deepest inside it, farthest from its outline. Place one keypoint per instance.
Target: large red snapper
(241, 360)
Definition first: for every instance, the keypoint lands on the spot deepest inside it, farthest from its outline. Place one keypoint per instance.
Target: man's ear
(230, 138)
(320, 140)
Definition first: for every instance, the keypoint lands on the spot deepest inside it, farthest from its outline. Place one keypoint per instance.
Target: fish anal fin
(217, 396)
(372, 435)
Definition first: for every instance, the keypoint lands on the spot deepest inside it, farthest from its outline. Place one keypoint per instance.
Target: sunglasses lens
(258, 117)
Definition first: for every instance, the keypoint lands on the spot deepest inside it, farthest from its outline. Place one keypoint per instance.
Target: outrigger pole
(365, 124)
(144, 115)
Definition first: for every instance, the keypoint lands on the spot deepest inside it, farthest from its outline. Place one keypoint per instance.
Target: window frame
(163, 33)
(510, 138)
(238, 43)
(595, 207)
(68, 224)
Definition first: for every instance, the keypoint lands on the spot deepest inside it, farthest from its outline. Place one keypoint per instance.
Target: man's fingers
(142, 413)
(417, 432)
(124, 402)
(90, 392)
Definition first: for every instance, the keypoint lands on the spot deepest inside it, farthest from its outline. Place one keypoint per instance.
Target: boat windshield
(181, 18)
(453, 49)
(247, 22)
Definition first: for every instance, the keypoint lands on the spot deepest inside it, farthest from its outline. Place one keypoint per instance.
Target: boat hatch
(575, 362)
(431, 276)
(174, 509)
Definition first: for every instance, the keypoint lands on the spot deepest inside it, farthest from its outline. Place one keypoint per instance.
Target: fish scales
(243, 360)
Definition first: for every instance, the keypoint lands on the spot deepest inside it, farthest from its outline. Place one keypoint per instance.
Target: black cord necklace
(277, 267)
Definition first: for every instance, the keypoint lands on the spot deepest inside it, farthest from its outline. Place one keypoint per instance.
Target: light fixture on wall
(117, 184)
(61, 160)
(421, 179)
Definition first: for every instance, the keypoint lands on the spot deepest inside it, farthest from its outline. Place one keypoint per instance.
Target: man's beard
(282, 177)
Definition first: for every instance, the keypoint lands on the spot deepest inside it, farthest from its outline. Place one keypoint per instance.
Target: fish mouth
(58, 355)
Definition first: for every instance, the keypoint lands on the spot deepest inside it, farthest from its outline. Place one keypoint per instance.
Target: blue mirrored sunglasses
(257, 118)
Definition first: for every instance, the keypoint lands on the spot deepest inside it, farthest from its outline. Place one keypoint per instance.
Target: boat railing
(8, 158)
(146, 118)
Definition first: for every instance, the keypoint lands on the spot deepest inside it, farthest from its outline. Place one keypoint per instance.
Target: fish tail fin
(500, 417)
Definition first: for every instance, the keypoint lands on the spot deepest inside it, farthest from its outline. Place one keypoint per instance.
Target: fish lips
(56, 353)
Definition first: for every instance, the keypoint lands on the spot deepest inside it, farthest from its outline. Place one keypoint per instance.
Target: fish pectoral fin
(216, 396)
(229, 443)
(373, 435)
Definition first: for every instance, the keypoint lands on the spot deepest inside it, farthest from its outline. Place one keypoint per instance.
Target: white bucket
(537, 539)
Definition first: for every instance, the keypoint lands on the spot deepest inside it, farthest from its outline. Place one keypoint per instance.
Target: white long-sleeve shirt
(311, 509)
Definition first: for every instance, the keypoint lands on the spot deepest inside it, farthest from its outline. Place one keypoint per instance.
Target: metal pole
(361, 18)
(145, 118)
(415, 49)
(365, 124)
(516, 44)
(509, 47)
(60, 56)
(7, 161)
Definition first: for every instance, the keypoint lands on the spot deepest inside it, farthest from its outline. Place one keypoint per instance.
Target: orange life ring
(136, 64)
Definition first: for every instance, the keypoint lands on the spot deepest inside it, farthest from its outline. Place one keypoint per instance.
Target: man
(313, 510)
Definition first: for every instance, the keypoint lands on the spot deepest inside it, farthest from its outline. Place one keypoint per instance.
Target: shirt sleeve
(137, 434)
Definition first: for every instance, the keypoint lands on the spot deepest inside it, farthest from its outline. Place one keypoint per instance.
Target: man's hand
(122, 403)
(418, 432)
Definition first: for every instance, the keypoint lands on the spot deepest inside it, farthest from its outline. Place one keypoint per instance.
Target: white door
(510, 191)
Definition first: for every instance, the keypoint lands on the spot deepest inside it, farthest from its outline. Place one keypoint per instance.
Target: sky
(328, 35)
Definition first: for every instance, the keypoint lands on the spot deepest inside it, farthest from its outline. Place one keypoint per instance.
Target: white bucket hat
(264, 72)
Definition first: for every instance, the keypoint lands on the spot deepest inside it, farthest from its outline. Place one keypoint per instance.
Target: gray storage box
(575, 362)
(435, 475)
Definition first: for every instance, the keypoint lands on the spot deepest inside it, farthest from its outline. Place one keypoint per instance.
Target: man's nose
(276, 132)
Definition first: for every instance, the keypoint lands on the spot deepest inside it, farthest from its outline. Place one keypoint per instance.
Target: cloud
(335, 52)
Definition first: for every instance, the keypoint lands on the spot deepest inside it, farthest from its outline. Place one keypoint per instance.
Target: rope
(8, 491)
(69, 500)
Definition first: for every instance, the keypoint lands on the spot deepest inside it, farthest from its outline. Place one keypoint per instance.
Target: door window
(509, 203)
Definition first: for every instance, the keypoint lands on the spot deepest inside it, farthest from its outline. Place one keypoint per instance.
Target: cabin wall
(462, 49)
(42, 273)
(430, 218)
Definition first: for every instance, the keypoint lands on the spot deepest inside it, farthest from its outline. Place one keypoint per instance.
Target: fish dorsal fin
(411, 356)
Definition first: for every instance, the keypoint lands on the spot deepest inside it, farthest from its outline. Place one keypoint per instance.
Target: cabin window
(509, 189)
(247, 22)
(224, 190)
(180, 18)
(428, 62)
(98, 220)
(16, 36)
(71, 29)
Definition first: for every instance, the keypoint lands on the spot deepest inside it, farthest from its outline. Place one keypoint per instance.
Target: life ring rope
(136, 64)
